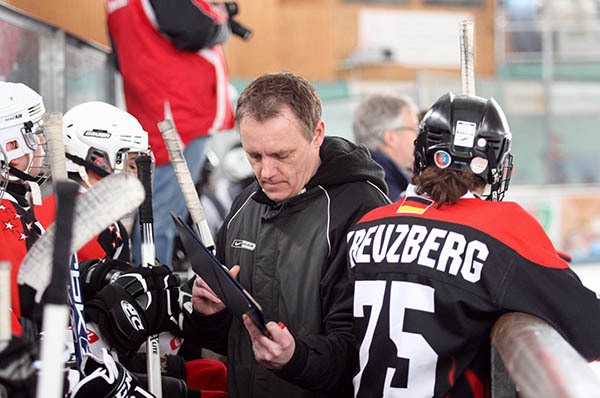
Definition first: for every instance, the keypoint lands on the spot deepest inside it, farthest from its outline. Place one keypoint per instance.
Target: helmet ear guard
(466, 133)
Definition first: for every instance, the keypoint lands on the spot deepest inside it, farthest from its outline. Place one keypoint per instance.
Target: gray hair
(376, 114)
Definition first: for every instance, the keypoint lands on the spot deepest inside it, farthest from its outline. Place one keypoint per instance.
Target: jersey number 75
(422, 359)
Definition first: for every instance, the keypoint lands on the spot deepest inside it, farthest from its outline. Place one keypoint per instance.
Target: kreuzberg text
(417, 244)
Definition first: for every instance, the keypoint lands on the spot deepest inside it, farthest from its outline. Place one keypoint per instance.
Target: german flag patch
(414, 205)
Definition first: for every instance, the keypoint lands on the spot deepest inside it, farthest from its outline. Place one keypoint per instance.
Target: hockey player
(100, 139)
(22, 167)
(434, 271)
(21, 163)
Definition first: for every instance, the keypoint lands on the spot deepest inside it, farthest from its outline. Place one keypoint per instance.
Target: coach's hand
(271, 353)
(204, 299)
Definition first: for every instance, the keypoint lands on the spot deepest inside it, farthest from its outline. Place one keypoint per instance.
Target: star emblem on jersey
(8, 225)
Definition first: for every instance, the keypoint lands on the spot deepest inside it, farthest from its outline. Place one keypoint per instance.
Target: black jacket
(293, 261)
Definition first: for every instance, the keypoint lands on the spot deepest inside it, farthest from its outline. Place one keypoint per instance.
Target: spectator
(435, 271)
(292, 220)
(173, 67)
(387, 125)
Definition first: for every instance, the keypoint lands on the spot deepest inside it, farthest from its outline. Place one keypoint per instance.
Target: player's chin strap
(88, 165)
(34, 196)
(21, 174)
(496, 179)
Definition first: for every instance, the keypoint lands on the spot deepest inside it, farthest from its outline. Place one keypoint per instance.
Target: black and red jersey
(430, 283)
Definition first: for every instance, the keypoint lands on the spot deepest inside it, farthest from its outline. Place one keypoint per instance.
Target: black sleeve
(187, 25)
(557, 296)
(327, 362)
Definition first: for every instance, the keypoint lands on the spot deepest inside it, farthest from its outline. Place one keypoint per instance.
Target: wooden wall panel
(309, 37)
(307, 40)
(83, 18)
(312, 37)
(260, 54)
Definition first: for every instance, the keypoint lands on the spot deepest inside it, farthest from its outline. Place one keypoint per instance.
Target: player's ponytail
(446, 186)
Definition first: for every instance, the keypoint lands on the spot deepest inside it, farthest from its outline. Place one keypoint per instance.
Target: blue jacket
(396, 178)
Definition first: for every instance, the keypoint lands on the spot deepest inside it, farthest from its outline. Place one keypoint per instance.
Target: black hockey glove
(97, 273)
(106, 378)
(18, 377)
(140, 302)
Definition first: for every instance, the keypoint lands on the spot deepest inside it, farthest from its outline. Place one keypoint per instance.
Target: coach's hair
(265, 96)
(446, 186)
(378, 113)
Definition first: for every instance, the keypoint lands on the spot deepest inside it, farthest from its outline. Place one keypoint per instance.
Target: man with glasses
(388, 124)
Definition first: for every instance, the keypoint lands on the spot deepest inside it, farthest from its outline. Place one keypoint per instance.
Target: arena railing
(531, 357)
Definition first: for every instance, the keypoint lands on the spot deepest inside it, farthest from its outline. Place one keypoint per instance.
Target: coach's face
(282, 157)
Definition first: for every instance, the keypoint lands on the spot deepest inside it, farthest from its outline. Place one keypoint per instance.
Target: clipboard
(228, 289)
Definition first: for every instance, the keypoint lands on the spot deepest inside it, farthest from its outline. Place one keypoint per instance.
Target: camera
(236, 28)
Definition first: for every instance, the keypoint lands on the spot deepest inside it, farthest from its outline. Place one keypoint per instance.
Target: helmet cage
(31, 136)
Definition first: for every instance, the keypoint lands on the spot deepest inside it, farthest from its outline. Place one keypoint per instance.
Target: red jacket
(171, 67)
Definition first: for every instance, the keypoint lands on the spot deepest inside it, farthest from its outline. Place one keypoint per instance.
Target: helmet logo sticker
(97, 133)
(13, 117)
(478, 164)
(442, 159)
(464, 134)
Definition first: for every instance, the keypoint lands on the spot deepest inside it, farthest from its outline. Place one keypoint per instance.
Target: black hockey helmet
(466, 133)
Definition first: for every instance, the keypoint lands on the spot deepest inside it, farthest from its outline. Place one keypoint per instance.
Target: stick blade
(106, 202)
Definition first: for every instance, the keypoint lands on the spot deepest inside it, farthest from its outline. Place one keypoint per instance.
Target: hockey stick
(103, 204)
(188, 188)
(144, 170)
(56, 154)
(467, 57)
(56, 311)
(5, 318)
(56, 148)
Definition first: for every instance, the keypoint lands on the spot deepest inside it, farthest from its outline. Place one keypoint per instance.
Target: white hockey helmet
(21, 111)
(97, 129)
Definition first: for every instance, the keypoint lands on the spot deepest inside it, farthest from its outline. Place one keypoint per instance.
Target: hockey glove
(106, 378)
(97, 273)
(17, 374)
(140, 302)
